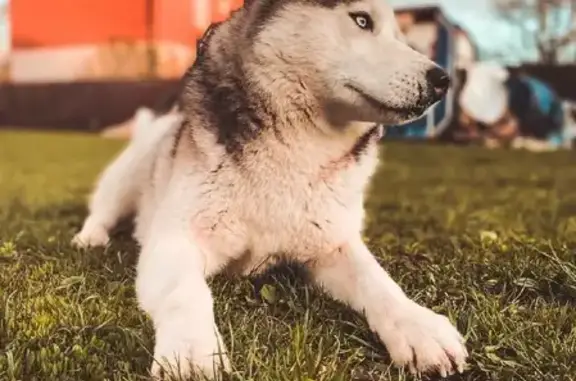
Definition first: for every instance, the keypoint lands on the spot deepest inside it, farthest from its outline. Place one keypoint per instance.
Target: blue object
(537, 107)
(442, 112)
(546, 99)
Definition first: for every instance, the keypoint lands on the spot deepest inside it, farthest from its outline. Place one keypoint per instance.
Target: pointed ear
(260, 12)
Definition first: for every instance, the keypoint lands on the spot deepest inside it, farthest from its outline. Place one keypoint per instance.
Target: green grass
(486, 237)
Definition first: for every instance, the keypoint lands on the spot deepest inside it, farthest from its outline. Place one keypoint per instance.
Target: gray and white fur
(271, 152)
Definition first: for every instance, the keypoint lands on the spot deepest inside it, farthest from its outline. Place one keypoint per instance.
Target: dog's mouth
(407, 112)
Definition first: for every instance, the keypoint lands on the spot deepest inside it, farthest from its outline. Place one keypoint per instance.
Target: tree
(549, 24)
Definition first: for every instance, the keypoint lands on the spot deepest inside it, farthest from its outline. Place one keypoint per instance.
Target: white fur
(118, 189)
(485, 95)
(199, 213)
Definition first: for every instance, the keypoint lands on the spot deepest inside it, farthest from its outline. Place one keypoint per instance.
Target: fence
(90, 106)
(79, 105)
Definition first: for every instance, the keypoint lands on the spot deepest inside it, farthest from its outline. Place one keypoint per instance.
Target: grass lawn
(486, 237)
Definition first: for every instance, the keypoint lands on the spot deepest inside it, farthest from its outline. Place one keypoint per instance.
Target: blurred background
(89, 65)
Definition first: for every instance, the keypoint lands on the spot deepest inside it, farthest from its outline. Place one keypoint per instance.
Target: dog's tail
(143, 119)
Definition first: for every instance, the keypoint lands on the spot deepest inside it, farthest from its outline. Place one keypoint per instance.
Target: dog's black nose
(439, 81)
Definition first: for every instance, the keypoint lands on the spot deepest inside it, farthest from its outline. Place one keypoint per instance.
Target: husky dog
(274, 146)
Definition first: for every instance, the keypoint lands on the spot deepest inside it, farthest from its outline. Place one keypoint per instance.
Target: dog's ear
(248, 3)
(202, 43)
(259, 13)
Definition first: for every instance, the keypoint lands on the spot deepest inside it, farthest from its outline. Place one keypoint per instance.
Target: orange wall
(52, 23)
(70, 22)
(172, 21)
(74, 38)
(222, 8)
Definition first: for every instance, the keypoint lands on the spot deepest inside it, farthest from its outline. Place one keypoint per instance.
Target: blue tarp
(444, 57)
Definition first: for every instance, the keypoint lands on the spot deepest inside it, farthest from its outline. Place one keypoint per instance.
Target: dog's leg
(113, 199)
(116, 193)
(414, 335)
(172, 289)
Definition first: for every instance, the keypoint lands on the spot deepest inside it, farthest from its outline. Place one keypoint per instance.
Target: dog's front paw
(423, 340)
(180, 359)
(91, 236)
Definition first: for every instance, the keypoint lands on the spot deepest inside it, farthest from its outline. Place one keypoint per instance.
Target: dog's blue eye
(363, 20)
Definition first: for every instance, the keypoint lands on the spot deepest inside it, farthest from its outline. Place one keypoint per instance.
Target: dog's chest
(302, 213)
(296, 205)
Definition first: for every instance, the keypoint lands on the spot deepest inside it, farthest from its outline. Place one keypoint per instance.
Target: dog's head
(350, 54)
